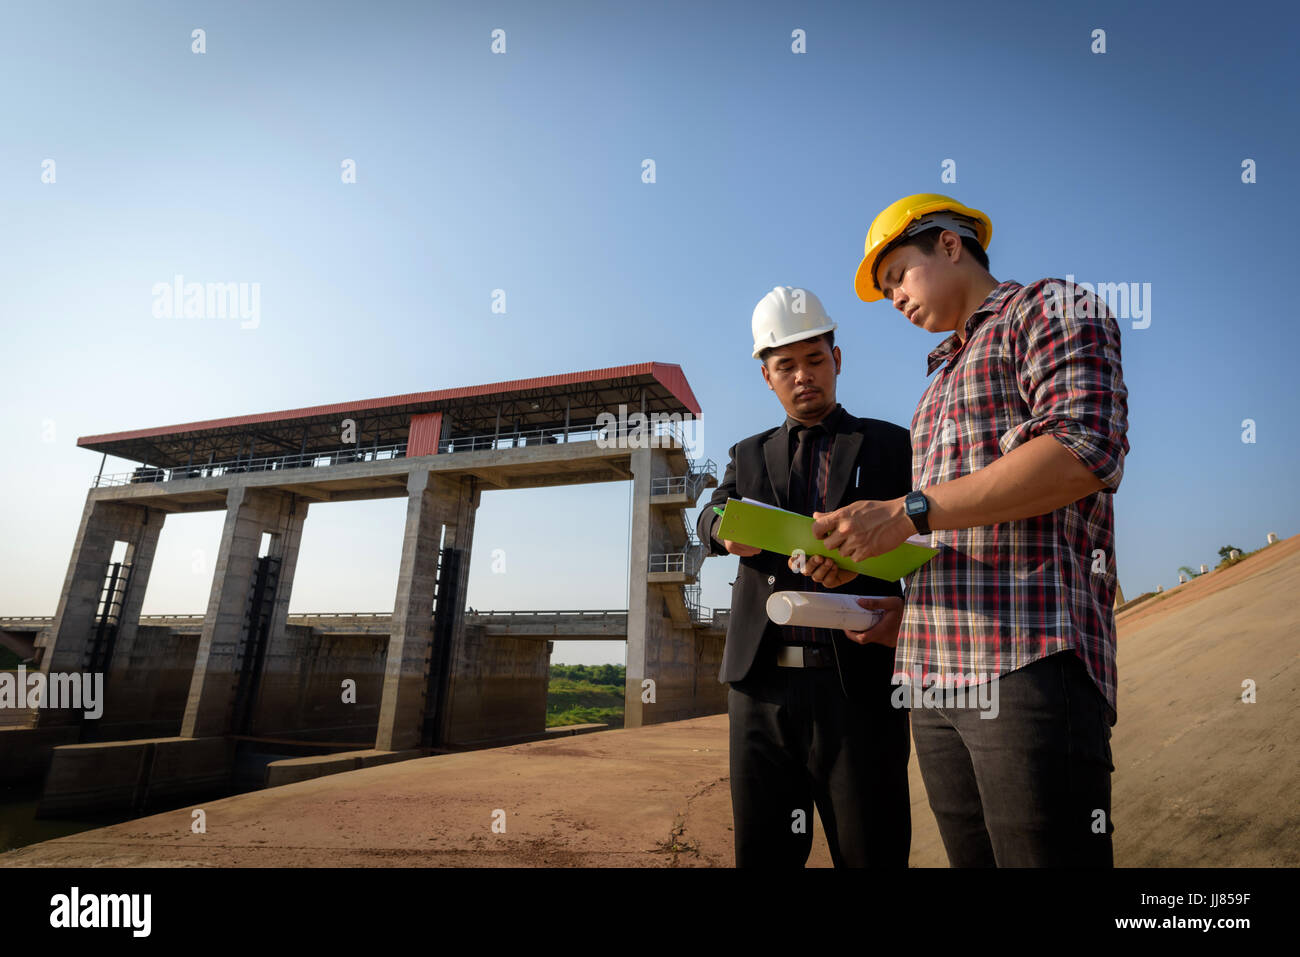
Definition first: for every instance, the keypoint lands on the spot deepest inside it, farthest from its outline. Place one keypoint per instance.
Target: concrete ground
(1201, 778)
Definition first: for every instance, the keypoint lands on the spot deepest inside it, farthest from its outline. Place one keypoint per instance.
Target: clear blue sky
(522, 172)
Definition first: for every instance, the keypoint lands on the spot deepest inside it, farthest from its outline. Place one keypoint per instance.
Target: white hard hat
(788, 314)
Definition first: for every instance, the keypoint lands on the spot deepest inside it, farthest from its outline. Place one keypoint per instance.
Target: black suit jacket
(870, 459)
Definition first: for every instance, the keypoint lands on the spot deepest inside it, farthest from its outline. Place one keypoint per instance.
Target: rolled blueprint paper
(814, 609)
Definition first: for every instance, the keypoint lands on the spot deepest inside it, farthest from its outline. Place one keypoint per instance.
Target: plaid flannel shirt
(1038, 360)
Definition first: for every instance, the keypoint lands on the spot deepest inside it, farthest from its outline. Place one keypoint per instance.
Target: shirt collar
(832, 423)
(993, 304)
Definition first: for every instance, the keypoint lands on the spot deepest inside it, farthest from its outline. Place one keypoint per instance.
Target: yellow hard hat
(911, 215)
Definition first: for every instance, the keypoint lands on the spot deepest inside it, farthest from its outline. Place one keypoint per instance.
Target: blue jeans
(1029, 787)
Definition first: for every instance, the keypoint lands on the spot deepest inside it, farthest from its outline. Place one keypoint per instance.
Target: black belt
(805, 656)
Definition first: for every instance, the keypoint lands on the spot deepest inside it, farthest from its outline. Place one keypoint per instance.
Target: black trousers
(1031, 786)
(797, 742)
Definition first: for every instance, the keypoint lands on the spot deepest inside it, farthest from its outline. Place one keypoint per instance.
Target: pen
(718, 510)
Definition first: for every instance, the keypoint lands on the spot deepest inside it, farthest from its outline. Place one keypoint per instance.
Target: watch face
(915, 506)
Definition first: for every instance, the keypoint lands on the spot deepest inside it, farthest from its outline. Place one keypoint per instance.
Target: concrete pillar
(249, 513)
(102, 525)
(286, 539)
(272, 680)
(140, 555)
(432, 502)
(464, 662)
(657, 648)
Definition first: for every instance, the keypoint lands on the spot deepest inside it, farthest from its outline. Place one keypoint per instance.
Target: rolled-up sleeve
(1067, 353)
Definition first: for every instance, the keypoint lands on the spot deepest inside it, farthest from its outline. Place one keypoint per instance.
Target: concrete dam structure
(182, 695)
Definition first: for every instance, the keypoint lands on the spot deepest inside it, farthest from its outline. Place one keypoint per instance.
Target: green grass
(573, 697)
(1229, 562)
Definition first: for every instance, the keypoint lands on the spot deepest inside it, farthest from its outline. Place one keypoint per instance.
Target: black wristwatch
(917, 507)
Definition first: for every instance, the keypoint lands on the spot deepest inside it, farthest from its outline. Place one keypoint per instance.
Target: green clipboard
(776, 530)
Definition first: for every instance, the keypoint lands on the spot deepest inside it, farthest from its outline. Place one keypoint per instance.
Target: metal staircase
(255, 636)
(682, 591)
(108, 615)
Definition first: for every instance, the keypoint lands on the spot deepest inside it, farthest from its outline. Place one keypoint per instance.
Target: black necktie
(800, 497)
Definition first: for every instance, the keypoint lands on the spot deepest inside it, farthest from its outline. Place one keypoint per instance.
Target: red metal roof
(667, 374)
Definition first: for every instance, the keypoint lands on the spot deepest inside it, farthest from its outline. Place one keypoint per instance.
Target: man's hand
(821, 570)
(885, 631)
(744, 551)
(864, 529)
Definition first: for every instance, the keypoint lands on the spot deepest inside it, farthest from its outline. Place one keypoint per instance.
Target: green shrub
(585, 694)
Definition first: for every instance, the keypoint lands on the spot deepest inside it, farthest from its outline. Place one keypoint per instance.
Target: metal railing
(687, 561)
(659, 430)
(614, 437)
(349, 454)
(697, 611)
(547, 612)
(701, 612)
(513, 440)
(691, 483)
(265, 463)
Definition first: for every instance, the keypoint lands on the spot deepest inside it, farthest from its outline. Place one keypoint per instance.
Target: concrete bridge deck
(567, 463)
(18, 633)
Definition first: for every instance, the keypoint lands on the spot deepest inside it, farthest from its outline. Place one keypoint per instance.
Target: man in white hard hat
(1018, 443)
(811, 722)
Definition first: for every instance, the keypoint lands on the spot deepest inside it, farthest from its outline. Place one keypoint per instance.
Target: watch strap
(921, 519)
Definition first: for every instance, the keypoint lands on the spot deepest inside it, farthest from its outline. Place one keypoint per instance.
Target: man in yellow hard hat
(1017, 445)
(810, 716)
